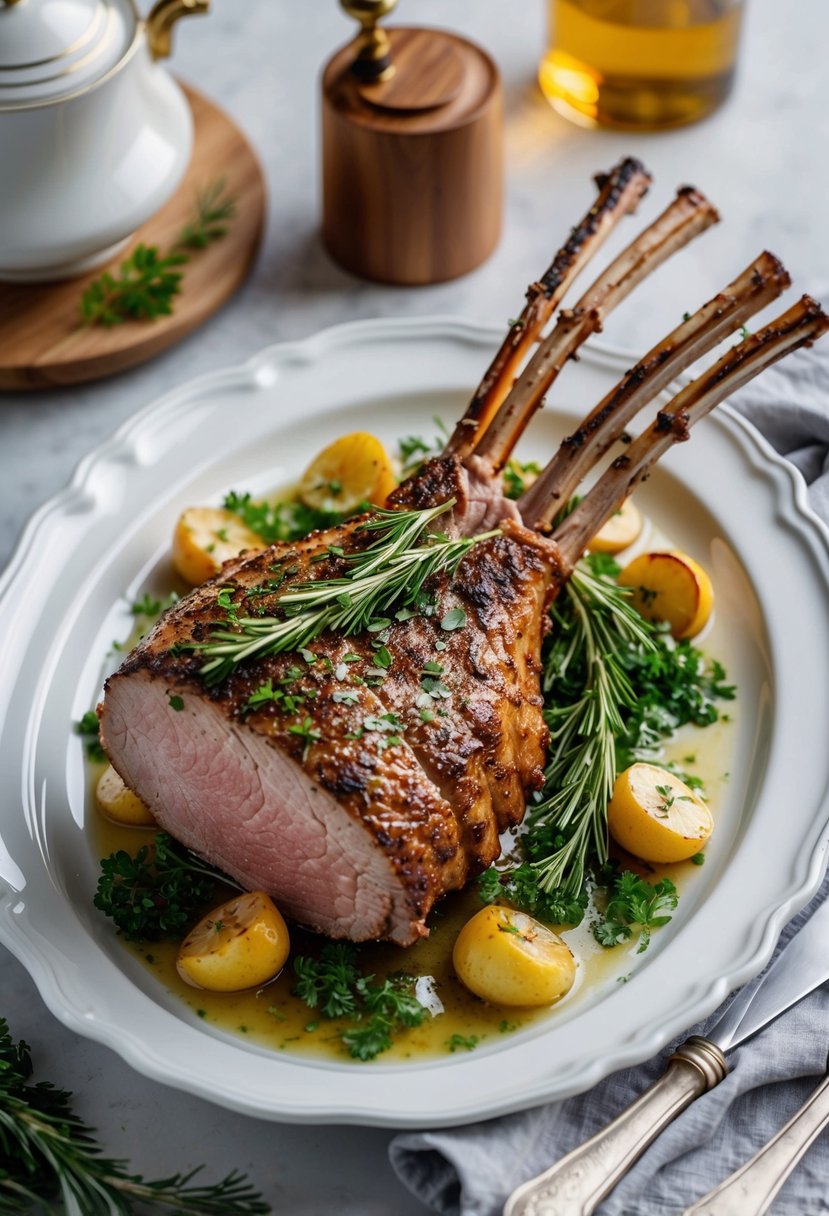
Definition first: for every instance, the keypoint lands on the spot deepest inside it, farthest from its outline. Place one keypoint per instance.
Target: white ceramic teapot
(94, 134)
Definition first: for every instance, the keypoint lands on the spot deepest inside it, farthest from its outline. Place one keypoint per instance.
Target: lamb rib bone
(801, 325)
(761, 282)
(619, 193)
(474, 481)
(689, 214)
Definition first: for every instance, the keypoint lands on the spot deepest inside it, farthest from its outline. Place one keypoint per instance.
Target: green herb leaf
(143, 289)
(89, 727)
(158, 892)
(454, 619)
(335, 985)
(635, 903)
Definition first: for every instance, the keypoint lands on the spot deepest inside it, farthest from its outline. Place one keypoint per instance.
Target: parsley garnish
(281, 520)
(460, 1042)
(634, 903)
(335, 985)
(89, 728)
(156, 893)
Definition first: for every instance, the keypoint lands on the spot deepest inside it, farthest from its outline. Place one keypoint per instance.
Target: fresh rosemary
(621, 686)
(50, 1159)
(592, 689)
(388, 575)
(147, 281)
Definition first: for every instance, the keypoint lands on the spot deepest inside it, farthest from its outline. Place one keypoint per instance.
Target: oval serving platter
(725, 497)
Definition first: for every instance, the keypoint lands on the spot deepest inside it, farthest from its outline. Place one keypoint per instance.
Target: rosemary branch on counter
(51, 1163)
(388, 575)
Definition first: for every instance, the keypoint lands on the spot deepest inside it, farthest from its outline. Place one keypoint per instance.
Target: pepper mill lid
(412, 164)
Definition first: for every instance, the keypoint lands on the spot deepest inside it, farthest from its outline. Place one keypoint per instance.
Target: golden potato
(241, 944)
(672, 587)
(508, 958)
(119, 804)
(205, 538)
(353, 469)
(656, 816)
(620, 531)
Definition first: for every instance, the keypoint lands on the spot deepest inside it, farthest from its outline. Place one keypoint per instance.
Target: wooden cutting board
(42, 340)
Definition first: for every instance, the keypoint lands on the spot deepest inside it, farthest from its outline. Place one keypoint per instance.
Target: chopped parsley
(89, 728)
(372, 1012)
(157, 892)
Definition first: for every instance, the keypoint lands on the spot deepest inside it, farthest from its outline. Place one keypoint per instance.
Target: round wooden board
(42, 340)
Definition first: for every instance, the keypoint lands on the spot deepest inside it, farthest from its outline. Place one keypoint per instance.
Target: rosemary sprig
(49, 1158)
(388, 574)
(592, 636)
(214, 207)
(147, 280)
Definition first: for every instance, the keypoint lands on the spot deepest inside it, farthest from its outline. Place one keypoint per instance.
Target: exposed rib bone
(800, 326)
(689, 214)
(619, 194)
(757, 286)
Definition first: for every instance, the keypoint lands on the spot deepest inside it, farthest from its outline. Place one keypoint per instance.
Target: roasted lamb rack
(354, 803)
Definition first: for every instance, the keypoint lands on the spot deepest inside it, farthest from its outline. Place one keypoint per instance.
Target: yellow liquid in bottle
(640, 63)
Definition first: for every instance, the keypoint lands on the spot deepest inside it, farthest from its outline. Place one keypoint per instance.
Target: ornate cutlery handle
(750, 1190)
(575, 1185)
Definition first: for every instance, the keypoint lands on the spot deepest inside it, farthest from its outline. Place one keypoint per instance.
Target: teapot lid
(50, 49)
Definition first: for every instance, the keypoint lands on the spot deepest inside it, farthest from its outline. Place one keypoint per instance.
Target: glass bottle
(643, 64)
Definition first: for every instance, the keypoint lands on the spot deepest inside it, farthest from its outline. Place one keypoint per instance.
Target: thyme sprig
(50, 1159)
(387, 575)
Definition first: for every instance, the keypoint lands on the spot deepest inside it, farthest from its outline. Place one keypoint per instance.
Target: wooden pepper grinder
(411, 152)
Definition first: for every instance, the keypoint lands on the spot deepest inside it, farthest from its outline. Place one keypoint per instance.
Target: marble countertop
(762, 159)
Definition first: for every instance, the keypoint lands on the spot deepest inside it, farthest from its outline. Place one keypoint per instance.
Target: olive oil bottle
(643, 64)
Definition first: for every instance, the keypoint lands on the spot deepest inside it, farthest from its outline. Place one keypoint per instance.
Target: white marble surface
(762, 158)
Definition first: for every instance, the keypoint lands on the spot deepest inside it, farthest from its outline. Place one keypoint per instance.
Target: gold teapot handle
(161, 19)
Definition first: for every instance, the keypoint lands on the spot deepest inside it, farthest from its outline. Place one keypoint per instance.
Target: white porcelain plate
(725, 497)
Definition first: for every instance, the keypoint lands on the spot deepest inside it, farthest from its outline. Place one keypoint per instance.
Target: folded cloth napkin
(470, 1171)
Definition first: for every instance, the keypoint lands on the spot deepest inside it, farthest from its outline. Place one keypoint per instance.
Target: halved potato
(205, 538)
(672, 587)
(241, 944)
(353, 469)
(509, 958)
(656, 816)
(621, 530)
(120, 804)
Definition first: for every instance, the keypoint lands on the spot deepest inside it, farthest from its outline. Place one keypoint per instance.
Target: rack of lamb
(358, 802)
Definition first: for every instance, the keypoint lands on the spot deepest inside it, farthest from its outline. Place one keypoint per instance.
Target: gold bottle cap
(373, 60)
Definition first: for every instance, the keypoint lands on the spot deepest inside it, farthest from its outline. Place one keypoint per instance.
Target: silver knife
(577, 1184)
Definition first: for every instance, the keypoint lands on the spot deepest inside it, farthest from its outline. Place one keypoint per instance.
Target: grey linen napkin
(470, 1171)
